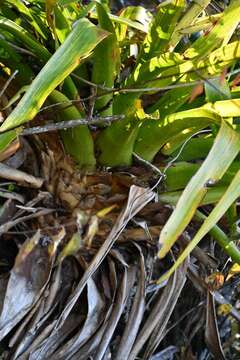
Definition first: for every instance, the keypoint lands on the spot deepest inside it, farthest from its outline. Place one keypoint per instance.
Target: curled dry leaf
(135, 316)
(27, 280)
(156, 323)
(8, 225)
(11, 195)
(91, 324)
(119, 303)
(20, 177)
(137, 199)
(212, 336)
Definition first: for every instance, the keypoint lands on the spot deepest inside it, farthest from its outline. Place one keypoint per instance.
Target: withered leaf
(212, 336)
(157, 320)
(27, 280)
(137, 199)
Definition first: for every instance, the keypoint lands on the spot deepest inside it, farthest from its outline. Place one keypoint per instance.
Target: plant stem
(222, 239)
(62, 125)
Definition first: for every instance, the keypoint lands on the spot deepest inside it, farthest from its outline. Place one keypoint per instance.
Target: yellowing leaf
(235, 269)
(103, 212)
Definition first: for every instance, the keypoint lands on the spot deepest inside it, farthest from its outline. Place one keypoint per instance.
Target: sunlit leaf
(106, 62)
(192, 13)
(212, 169)
(219, 35)
(83, 38)
(161, 29)
(231, 194)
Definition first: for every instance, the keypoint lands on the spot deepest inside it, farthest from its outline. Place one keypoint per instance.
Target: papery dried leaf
(212, 336)
(157, 320)
(8, 209)
(167, 353)
(47, 345)
(135, 316)
(38, 315)
(91, 324)
(138, 198)
(8, 225)
(21, 177)
(27, 280)
(119, 304)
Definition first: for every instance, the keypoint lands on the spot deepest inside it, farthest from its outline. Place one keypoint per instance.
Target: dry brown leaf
(137, 199)
(20, 177)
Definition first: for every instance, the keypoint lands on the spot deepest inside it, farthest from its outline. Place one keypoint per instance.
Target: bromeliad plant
(181, 58)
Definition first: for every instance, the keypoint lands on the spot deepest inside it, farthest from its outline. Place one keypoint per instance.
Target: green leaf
(172, 68)
(10, 58)
(42, 54)
(137, 15)
(79, 44)
(6, 139)
(225, 108)
(62, 24)
(231, 194)
(219, 35)
(159, 72)
(222, 239)
(161, 29)
(202, 23)
(194, 149)
(27, 14)
(174, 144)
(212, 169)
(77, 141)
(179, 174)
(171, 101)
(212, 196)
(134, 24)
(106, 62)
(118, 152)
(66, 2)
(217, 89)
(192, 13)
(16, 30)
(156, 133)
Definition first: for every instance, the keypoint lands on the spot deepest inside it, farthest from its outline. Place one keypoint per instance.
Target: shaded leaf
(212, 336)
(27, 280)
(93, 320)
(138, 198)
(135, 316)
(157, 320)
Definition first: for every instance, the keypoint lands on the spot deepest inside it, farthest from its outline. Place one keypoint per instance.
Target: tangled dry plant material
(83, 283)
